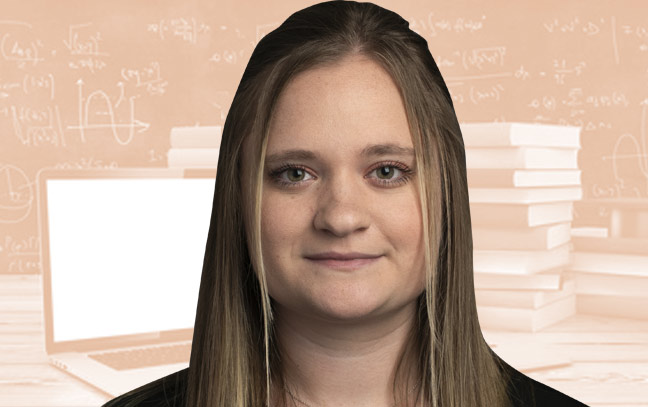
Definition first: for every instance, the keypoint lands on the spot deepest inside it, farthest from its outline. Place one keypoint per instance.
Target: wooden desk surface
(607, 358)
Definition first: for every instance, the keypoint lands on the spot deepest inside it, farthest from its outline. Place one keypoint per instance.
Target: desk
(609, 357)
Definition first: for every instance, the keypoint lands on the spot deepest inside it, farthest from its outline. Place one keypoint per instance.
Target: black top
(168, 391)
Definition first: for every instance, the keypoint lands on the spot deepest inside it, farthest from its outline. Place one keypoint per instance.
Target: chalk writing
(185, 28)
(80, 42)
(148, 77)
(91, 63)
(35, 126)
(103, 109)
(229, 56)
(16, 194)
(577, 99)
(629, 156)
(154, 156)
(23, 254)
(6, 87)
(562, 69)
(16, 49)
(83, 42)
(20, 247)
(490, 93)
(475, 58)
(33, 83)
(572, 25)
(263, 29)
(586, 125)
(86, 163)
(484, 56)
(432, 26)
(591, 28)
(521, 73)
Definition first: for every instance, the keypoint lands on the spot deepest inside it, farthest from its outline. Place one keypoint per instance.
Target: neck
(333, 363)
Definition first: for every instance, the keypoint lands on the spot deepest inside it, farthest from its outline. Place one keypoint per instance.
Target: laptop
(122, 254)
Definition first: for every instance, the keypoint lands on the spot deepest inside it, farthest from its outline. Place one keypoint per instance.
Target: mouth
(348, 264)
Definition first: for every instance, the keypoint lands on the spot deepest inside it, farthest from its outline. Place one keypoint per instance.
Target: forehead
(354, 102)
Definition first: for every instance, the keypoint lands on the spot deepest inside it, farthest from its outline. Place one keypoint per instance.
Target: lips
(343, 261)
(341, 256)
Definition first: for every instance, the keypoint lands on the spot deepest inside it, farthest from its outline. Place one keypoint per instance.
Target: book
(524, 195)
(520, 261)
(510, 178)
(618, 306)
(547, 280)
(616, 245)
(522, 158)
(519, 134)
(192, 157)
(607, 283)
(612, 263)
(524, 298)
(533, 238)
(526, 319)
(510, 215)
(195, 137)
(590, 231)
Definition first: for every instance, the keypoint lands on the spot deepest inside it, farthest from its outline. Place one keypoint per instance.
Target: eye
(385, 173)
(294, 175)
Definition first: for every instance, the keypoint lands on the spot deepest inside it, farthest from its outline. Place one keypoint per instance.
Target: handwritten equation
(147, 77)
(83, 43)
(16, 194)
(187, 29)
(17, 44)
(20, 255)
(432, 25)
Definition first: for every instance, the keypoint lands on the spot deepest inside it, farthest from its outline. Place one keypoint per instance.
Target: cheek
(405, 220)
(280, 226)
(404, 228)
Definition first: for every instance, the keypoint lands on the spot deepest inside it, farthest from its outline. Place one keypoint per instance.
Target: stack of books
(523, 179)
(610, 264)
(194, 147)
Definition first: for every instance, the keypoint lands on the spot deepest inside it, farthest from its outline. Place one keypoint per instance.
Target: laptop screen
(125, 254)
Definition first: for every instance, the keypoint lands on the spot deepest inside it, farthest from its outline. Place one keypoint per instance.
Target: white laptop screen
(126, 255)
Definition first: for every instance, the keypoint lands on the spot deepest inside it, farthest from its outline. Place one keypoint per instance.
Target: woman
(338, 268)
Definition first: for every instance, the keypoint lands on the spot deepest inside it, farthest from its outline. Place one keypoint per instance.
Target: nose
(342, 207)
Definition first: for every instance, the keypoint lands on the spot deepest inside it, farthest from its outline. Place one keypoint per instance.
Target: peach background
(137, 69)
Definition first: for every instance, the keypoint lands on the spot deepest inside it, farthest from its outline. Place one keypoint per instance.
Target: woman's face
(350, 188)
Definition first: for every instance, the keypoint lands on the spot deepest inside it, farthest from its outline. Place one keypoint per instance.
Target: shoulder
(167, 391)
(529, 392)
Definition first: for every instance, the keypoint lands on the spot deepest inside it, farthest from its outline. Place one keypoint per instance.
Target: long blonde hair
(235, 356)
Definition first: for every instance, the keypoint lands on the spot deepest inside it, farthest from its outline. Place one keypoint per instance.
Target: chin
(348, 310)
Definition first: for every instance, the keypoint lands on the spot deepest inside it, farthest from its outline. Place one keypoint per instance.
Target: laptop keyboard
(144, 357)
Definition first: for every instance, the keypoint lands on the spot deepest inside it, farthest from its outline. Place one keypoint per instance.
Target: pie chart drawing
(16, 194)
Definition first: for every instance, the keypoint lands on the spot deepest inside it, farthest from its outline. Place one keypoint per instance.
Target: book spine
(522, 158)
(511, 178)
(520, 134)
(524, 195)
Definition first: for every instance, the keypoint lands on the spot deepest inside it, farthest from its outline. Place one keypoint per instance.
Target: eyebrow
(373, 150)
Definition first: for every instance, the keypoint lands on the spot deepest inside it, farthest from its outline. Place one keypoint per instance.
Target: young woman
(338, 268)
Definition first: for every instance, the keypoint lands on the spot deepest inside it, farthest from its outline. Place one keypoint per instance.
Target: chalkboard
(87, 84)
